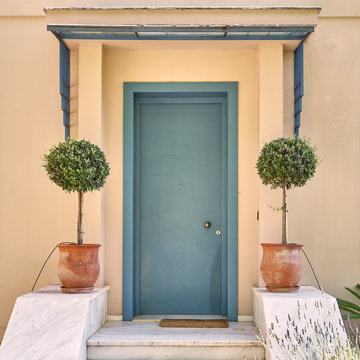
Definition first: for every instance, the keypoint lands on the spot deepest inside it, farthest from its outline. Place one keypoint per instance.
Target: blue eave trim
(65, 86)
(298, 86)
(180, 32)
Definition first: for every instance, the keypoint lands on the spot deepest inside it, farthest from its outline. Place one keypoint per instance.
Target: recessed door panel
(178, 205)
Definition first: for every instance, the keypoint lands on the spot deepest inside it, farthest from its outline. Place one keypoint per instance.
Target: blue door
(180, 209)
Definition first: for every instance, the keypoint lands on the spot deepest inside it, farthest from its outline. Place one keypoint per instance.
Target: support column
(270, 62)
(90, 127)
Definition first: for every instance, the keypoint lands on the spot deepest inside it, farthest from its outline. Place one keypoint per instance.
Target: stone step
(146, 340)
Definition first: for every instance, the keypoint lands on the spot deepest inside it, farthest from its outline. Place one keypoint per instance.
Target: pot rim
(281, 245)
(83, 245)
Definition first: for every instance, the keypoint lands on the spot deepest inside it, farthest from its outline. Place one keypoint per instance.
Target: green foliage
(287, 161)
(77, 165)
(353, 310)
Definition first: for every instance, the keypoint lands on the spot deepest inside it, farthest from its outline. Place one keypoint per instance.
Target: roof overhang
(182, 23)
(181, 32)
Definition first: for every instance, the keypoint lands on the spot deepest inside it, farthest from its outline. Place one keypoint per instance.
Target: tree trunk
(284, 217)
(80, 232)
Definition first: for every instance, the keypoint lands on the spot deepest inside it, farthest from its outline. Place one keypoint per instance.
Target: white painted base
(245, 318)
(282, 312)
(114, 317)
(142, 340)
(47, 324)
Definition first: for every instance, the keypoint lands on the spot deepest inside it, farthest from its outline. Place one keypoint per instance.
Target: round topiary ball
(77, 165)
(287, 161)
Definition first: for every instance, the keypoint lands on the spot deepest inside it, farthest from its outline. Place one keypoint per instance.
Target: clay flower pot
(281, 267)
(78, 267)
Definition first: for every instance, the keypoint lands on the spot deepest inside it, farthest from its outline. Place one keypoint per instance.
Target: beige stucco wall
(124, 66)
(324, 215)
(36, 215)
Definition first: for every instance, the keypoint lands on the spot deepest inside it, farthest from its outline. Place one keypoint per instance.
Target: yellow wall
(123, 66)
(324, 215)
(35, 214)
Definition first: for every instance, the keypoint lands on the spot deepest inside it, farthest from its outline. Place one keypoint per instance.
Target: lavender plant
(309, 339)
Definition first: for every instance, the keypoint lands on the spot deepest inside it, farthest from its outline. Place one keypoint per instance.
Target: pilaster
(90, 127)
(270, 63)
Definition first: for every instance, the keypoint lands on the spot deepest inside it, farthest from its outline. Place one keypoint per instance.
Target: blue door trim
(138, 89)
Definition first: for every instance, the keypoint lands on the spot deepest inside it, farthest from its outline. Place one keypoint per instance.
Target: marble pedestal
(47, 324)
(309, 310)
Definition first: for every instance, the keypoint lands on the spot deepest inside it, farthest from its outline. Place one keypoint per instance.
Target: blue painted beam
(180, 28)
(65, 86)
(180, 37)
(181, 32)
(298, 86)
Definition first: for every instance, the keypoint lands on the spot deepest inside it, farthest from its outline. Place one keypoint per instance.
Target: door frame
(131, 89)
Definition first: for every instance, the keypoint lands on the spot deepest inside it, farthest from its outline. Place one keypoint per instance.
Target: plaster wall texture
(36, 215)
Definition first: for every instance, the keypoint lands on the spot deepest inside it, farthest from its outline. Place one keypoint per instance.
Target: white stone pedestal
(47, 324)
(309, 310)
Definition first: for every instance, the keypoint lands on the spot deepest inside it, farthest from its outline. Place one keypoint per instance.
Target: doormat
(194, 323)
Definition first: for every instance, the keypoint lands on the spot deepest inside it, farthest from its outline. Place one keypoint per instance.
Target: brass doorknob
(207, 225)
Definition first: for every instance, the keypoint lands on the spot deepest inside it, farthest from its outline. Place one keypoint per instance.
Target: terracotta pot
(78, 267)
(281, 267)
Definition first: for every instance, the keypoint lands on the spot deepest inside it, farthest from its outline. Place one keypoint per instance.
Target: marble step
(146, 340)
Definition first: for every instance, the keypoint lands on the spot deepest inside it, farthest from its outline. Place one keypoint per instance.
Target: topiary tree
(77, 165)
(286, 163)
